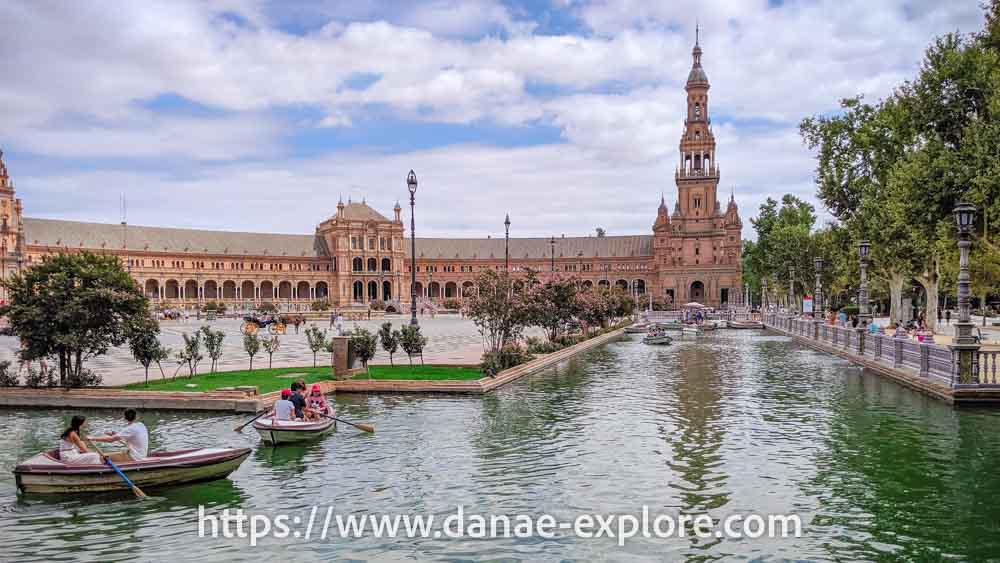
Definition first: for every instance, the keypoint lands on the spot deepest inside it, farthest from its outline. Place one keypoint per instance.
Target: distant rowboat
(46, 473)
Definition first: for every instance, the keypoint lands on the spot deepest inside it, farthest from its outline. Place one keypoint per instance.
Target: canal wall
(248, 401)
(932, 369)
(478, 386)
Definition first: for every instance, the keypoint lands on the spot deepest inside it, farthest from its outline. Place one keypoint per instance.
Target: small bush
(452, 304)
(8, 377)
(508, 357)
(34, 378)
(320, 305)
(87, 378)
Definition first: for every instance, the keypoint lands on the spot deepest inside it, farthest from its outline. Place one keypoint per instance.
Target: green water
(730, 423)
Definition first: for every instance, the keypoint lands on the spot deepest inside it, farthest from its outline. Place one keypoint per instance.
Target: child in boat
(317, 402)
(71, 447)
(283, 408)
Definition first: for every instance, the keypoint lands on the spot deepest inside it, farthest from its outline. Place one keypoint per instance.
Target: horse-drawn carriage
(274, 324)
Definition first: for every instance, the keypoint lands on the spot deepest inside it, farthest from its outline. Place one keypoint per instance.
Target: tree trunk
(251, 363)
(269, 358)
(896, 281)
(930, 280)
(163, 375)
(147, 374)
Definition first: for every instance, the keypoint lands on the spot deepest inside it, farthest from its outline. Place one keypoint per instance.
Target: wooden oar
(245, 424)
(135, 490)
(359, 426)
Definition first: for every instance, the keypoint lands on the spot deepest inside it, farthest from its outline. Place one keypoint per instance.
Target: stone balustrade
(937, 364)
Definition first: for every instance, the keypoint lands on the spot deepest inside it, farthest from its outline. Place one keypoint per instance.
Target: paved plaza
(452, 340)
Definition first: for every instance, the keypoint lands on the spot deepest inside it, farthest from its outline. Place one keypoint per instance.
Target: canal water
(735, 422)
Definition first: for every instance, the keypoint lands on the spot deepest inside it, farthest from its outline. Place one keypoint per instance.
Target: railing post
(861, 340)
(897, 343)
(925, 359)
(878, 346)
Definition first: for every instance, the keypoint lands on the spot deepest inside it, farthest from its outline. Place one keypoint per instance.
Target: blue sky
(260, 115)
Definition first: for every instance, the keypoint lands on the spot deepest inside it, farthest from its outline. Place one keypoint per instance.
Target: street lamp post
(965, 216)
(506, 243)
(763, 295)
(411, 184)
(864, 314)
(552, 245)
(818, 298)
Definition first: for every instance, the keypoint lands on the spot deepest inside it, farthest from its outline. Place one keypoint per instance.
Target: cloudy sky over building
(255, 115)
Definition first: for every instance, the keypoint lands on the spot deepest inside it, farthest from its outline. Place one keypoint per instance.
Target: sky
(257, 115)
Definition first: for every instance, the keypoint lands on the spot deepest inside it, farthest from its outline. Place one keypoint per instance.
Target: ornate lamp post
(965, 216)
(506, 244)
(411, 184)
(552, 245)
(818, 298)
(791, 288)
(763, 295)
(864, 315)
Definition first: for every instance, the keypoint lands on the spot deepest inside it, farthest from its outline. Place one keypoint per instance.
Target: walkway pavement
(452, 340)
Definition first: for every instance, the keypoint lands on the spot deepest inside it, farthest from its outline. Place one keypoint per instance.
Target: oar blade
(138, 492)
(365, 427)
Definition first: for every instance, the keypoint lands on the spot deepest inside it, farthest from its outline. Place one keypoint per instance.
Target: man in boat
(283, 408)
(134, 435)
(298, 400)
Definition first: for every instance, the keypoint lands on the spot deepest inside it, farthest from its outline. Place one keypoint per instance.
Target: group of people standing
(73, 447)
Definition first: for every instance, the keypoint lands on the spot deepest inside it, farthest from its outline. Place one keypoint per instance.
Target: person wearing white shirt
(283, 408)
(134, 435)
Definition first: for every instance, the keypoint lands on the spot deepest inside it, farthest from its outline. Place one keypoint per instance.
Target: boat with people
(277, 432)
(657, 338)
(637, 328)
(47, 473)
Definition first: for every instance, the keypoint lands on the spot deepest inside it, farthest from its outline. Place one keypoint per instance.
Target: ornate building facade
(358, 255)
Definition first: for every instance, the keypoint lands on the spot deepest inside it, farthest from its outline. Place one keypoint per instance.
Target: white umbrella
(694, 305)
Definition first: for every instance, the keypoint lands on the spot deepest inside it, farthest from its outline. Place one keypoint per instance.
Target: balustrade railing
(926, 359)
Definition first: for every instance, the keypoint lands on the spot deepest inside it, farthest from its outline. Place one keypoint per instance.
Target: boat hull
(657, 340)
(72, 479)
(292, 432)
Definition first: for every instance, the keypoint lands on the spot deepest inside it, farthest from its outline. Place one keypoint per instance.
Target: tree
(389, 339)
(74, 307)
(190, 353)
(267, 307)
(412, 342)
(213, 344)
(498, 309)
(364, 343)
(601, 232)
(321, 305)
(316, 339)
(552, 305)
(145, 345)
(251, 345)
(270, 346)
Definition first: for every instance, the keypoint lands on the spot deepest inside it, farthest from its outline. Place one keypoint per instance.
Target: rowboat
(670, 325)
(46, 473)
(637, 328)
(745, 324)
(278, 432)
(657, 339)
(692, 331)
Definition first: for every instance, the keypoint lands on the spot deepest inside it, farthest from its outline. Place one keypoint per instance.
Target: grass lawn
(434, 373)
(266, 380)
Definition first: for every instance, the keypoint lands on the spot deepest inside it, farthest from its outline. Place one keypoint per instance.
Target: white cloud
(74, 72)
